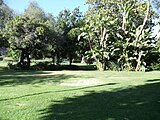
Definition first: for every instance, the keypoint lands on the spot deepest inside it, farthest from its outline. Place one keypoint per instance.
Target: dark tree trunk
(28, 61)
(24, 59)
(21, 62)
(58, 58)
(53, 57)
(70, 59)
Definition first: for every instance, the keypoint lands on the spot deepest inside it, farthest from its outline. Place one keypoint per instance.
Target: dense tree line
(117, 34)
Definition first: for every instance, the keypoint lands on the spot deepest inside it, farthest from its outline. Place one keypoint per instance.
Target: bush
(13, 66)
(17, 66)
(113, 66)
(154, 66)
(50, 66)
(42, 66)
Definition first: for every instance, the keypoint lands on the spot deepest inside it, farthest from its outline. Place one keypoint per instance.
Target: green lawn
(79, 95)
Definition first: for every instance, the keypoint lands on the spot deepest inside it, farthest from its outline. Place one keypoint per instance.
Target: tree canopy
(25, 34)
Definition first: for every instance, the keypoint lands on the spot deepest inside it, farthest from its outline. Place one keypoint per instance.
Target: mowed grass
(79, 95)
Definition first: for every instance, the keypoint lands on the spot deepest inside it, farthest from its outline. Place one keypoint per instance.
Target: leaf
(118, 35)
(138, 30)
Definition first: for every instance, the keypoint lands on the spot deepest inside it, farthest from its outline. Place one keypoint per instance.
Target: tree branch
(144, 22)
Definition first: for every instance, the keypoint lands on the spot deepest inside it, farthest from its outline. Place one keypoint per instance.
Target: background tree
(67, 24)
(34, 11)
(6, 14)
(24, 34)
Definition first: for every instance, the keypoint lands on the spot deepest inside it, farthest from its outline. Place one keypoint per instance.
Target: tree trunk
(58, 58)
(70, 59)
(101, 66)
(24, 59)
(83, 59)
(143, 25)
(138, 66)
(138, 37)
(28, 61)
(54, 58)
(21, 62)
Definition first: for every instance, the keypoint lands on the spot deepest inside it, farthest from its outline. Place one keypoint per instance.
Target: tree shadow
(4, 72)
(154, 80)
(137, 103)
(12, 78)
(59, 91)
(51, 67)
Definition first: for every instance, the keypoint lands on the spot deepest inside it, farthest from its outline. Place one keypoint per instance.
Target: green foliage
(25, 34)
(34, 11)
(97, 30)
(119, 31)
(158, 44)
(68, 24)
(6, 13)
(14, 54)
(154, 66)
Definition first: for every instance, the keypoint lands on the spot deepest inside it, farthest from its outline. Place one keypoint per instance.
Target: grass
(3, 64)
(79, 95)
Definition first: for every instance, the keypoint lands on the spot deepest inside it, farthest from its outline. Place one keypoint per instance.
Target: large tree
(34, 11)
(67, 27)
(119, 30)
(24, 34)
(100, 24)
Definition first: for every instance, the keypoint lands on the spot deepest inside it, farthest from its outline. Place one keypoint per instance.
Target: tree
(6, 14)
(98, 29)
(67, 25)
(119, 29)
(49, 50)
(136, 37)
(34, 11)
(24, 34)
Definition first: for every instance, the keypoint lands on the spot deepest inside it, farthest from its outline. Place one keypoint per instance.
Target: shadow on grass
(66, 90)
(12, 78)
(8, 72)
(138, 103)
(49, 66)
(154, 80)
